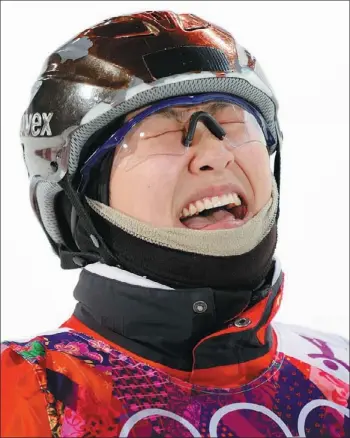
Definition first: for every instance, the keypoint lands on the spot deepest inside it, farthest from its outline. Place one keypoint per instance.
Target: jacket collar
(189, 330)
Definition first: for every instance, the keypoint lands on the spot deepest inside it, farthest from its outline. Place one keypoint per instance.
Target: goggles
(172, 126)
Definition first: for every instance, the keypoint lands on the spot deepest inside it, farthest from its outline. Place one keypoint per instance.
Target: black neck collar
(165, 326)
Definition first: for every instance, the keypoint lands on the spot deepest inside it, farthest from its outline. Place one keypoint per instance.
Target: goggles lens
(162, 129)
(164, 132)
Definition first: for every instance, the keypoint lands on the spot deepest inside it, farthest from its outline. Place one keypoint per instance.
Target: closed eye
(161, 134)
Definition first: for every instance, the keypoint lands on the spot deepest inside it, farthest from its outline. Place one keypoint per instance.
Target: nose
(210, 153)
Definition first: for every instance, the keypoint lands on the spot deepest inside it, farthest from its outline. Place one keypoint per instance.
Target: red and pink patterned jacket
(76, 382)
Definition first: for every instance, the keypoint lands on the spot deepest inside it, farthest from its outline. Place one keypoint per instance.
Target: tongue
(199, 222)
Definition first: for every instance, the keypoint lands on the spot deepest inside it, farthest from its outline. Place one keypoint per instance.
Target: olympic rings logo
(132, 421)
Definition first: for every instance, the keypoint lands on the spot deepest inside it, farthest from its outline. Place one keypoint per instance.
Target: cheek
(145, 192)
(255, 162)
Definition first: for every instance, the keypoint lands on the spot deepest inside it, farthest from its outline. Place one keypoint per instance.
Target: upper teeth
(208, 203)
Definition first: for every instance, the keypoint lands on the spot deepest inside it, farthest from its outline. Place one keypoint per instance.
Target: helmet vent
(186, 59)
(122, 29)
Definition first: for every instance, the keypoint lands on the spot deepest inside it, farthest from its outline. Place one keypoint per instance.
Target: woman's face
(210, 185)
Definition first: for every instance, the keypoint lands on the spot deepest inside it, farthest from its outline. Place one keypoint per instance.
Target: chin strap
(277, 166)
(277, 174)
(72, 259)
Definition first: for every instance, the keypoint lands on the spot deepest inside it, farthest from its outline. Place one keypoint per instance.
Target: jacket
(115, 369)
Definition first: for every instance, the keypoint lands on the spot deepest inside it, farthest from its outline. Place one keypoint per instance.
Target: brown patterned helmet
(116, 67)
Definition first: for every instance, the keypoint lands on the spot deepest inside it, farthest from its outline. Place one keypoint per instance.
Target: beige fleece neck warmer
(222, 243)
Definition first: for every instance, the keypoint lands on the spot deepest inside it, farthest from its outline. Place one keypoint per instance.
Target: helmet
(111, 69)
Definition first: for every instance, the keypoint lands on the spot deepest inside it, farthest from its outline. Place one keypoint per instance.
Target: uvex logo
(36, 124)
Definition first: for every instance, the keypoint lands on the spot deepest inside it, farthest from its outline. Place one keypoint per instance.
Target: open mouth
(219, 212)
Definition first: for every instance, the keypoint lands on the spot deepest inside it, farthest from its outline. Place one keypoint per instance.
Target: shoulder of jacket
(290, 330)
(23, 384)
(316, 349)
(32, 349)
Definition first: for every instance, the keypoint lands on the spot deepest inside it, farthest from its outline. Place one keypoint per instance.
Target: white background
(304, 50)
